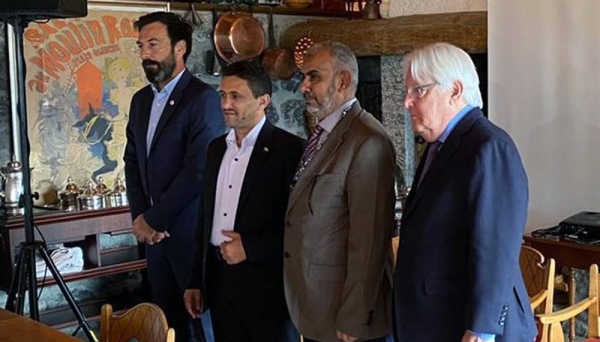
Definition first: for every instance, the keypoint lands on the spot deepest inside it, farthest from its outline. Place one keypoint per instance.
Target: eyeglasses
(419, 91)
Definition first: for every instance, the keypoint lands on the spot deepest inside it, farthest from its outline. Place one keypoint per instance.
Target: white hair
(445, 64)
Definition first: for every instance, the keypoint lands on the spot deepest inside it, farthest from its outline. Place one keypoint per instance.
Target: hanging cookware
(302, 45)
(212, 60)
(239, 36)
(278, 61)
(192, 17)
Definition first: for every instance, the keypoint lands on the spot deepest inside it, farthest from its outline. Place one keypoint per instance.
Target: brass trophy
(68, 197)
(102, 190)
(118, 196)
(90, 199)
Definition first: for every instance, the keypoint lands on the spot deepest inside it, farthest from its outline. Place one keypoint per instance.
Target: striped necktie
(311, 146)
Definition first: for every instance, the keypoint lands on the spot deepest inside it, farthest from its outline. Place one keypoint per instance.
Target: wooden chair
(145, 322)
(539, 281)
(395, 244)
(538, 278)
(552, 321)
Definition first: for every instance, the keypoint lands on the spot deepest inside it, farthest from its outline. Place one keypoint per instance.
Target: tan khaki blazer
(340, 220)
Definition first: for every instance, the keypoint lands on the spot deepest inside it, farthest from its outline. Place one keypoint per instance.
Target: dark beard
(162, 72)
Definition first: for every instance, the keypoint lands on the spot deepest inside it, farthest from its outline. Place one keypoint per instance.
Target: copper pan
(239, 36)
(278, 61)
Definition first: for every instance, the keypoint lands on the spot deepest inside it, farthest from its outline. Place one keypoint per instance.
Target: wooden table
(568, 254)
(15, 328)
(4, 314)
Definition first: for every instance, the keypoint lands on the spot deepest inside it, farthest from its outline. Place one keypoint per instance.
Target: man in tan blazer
(340, 216)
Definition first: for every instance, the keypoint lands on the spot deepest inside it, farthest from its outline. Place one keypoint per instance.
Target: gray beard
(325, 108)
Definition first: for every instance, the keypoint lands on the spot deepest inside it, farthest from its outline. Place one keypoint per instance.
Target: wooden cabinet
(80, 228)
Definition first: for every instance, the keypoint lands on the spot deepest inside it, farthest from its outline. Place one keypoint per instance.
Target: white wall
(544, 89)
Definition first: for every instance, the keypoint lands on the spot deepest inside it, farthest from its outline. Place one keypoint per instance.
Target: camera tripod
(24, 278)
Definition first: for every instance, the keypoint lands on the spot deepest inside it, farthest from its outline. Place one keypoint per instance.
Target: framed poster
(81, 75)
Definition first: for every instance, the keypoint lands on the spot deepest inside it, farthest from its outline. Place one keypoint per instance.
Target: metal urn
(12, 174)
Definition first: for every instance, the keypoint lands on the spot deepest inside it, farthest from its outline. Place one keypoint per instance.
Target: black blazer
(458, 259)
(171, 175)
(259, 220)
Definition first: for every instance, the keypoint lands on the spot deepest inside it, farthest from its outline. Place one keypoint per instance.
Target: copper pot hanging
(278, 61)
(239, 36)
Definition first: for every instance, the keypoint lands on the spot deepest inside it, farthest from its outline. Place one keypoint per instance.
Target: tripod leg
(68, 296)
(31, 276)
(26, 267)
(22, 282)
(15, 284)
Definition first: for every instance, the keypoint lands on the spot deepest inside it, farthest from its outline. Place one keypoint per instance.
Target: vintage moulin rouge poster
(81, 75)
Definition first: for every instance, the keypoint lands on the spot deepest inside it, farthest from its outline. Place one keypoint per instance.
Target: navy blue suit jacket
(460, 238)
(166, 185)
(256, 282)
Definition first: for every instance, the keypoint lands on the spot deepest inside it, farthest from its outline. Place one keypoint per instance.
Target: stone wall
(395, 117)
(5, 125)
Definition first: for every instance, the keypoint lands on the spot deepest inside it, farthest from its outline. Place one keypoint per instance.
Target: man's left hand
(344, 337)
(469, 337)
(232, 251)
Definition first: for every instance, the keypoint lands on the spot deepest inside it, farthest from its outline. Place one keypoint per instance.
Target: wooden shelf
(258, 8)
(45, 217)
(118, 255)
(73, 229)
(81, 229)
(97, 272)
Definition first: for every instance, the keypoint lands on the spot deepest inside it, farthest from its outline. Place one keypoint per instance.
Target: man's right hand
(193, 302)
(144, 233)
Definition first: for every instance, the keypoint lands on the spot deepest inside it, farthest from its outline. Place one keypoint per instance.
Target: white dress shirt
(332, 120)
(229, 183)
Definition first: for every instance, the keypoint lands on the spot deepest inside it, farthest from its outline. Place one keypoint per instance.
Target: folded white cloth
(66, 260)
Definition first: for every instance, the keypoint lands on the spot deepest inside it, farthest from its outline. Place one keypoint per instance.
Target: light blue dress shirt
(455, 120)
(158, 105)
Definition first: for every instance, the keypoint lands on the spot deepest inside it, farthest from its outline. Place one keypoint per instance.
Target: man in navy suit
(171, 123)
(238, 271)
(457, 274)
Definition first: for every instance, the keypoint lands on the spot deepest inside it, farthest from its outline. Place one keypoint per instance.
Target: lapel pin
(172, 102)
(265, 149)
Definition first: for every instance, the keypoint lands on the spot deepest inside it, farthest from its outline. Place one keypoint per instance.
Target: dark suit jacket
(171, 175)
(258, 281)
(340, 220)
(461, 232)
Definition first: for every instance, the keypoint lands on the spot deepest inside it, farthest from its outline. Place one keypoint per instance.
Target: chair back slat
(144, 322)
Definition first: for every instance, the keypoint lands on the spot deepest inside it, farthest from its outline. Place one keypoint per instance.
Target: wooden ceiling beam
(396, 36)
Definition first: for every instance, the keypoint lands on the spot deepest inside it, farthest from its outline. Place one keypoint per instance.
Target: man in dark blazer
(238, 272)
(171, 123)
(457, 274)
(340, 216)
